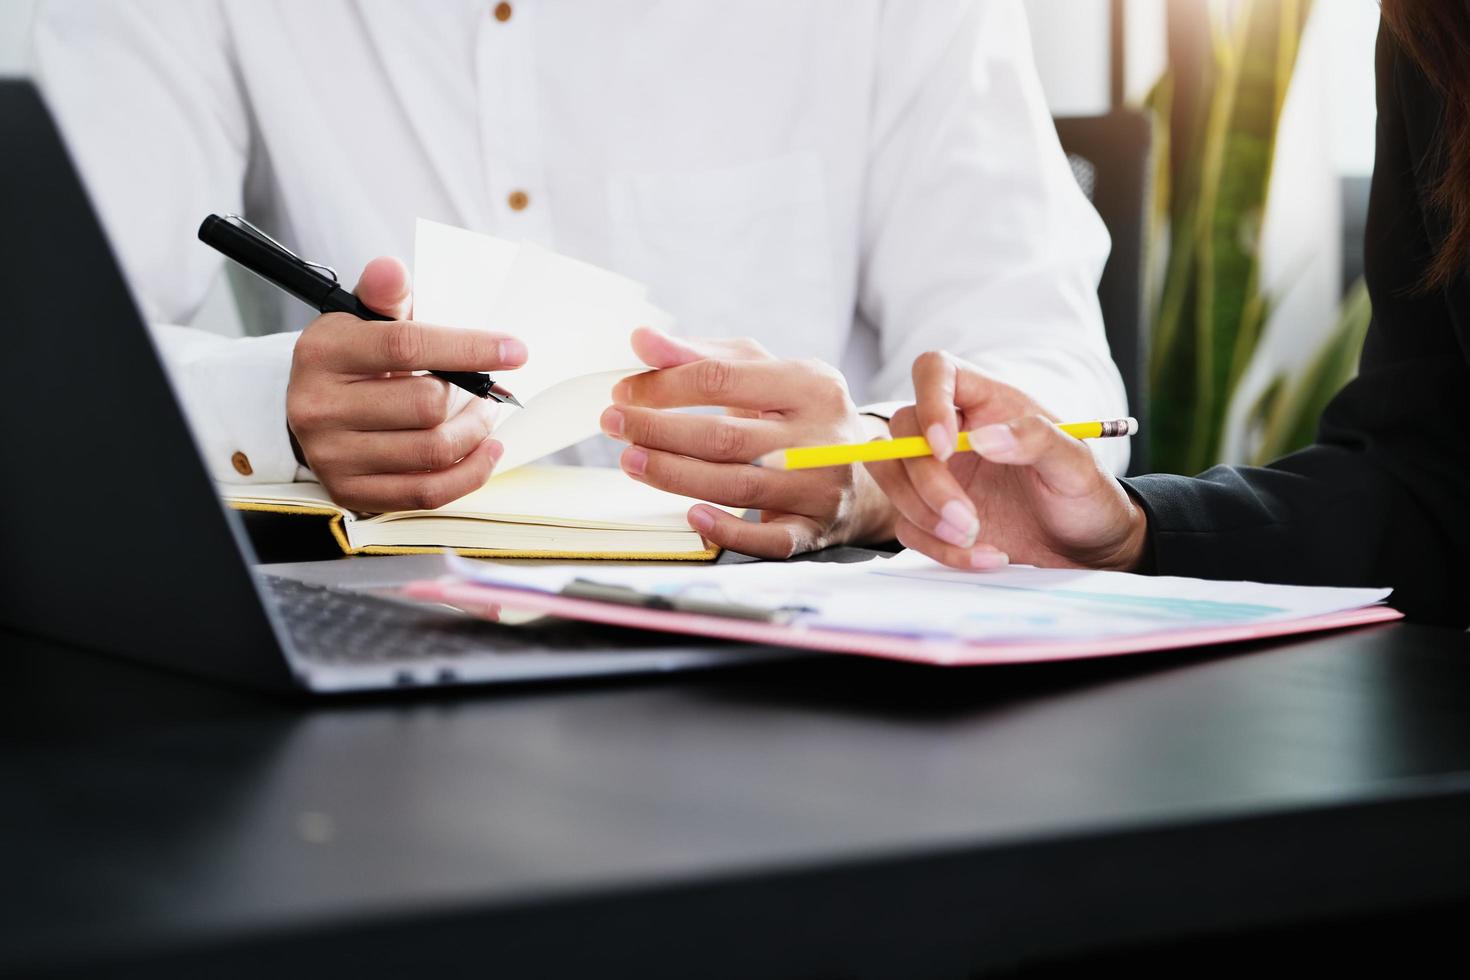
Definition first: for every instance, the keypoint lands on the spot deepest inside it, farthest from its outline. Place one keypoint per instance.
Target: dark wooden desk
(832, 817)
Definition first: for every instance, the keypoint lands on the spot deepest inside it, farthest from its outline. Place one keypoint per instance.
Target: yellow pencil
(810, 457)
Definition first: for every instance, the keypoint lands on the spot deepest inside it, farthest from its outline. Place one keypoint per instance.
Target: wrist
(871, 518)
(875, 519)
(1134, 554)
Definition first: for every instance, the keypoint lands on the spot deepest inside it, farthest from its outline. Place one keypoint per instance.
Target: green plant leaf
(1290, 421)
(1210, 311)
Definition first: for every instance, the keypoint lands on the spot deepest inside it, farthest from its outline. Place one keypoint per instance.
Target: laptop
(86, 394)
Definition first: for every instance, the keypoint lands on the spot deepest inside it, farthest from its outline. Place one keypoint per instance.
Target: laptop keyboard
(342, 627)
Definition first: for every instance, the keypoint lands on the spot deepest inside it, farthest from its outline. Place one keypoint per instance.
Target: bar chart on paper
(909, 607)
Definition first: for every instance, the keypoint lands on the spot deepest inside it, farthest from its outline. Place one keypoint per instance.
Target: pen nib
(501, 394)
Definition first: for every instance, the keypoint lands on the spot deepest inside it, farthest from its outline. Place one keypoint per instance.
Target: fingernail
(635, 461)
(993, 440)
(701, 519)
(941, 444)
(956, 514)
(988, 557)
(948, 533)
(622, 393)
(496, 450)
(512, 352)
(612, 423)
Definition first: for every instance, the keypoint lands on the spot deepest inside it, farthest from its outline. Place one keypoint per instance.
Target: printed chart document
(913, 608)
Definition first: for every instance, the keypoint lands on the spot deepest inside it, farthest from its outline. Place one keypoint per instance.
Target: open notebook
(534, 512)
(576, 320)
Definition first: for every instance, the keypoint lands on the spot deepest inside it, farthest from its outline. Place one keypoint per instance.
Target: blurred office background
(1309, 240)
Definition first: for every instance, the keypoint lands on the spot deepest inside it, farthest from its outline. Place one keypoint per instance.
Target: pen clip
(242, 222)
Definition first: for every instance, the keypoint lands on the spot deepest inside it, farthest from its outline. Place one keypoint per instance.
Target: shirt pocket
(736, 251)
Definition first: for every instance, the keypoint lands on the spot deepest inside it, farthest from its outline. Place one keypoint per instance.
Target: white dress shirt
(852, 180)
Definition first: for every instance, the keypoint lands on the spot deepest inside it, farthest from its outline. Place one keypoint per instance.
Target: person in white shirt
(835, 182)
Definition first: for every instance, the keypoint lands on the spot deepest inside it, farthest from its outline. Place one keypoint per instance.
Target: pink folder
(486, 600)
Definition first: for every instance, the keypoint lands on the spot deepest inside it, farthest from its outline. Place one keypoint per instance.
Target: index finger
(935, 376)
(361, 347)
(758, 385)
(926, 492)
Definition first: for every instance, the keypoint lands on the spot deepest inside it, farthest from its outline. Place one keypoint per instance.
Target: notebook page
(559, 417)
(457, 274)
(446, 532)
(569, 496)
(302, 494)
(575, 318)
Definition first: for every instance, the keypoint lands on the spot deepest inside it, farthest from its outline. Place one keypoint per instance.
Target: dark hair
(1435, 34)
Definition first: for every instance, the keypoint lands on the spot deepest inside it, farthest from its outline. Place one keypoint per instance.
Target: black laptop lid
(111, 535)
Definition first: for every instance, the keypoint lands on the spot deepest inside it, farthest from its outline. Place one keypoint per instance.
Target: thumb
(386, 288)
(657, 349)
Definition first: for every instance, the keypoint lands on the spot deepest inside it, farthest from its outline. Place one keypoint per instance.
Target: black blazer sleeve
(1383, 497)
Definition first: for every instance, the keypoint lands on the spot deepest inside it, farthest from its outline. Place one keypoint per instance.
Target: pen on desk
(908, 447)
(315, 285)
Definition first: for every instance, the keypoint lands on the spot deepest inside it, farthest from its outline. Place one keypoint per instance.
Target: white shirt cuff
(233, 392)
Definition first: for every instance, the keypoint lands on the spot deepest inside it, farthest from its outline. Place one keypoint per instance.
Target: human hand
(1032, 493)
(378, 436)
(770, 404)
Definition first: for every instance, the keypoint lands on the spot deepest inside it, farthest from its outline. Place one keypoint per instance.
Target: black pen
(315, 285)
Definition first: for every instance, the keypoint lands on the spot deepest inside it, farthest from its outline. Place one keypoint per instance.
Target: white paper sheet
(910, 595)
(458, 274)
(575, 319)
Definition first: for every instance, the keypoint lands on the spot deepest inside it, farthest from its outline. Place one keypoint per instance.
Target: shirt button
(502, 12)
(518, 200)
(241, 462)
